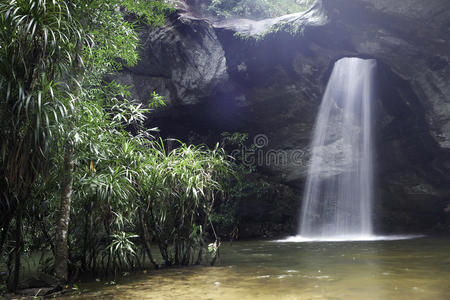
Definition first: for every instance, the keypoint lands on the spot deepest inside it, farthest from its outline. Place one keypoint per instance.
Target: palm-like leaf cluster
(38, 50)
(181, 190)
(140, 186)
(128, 189)
(131, 183)
(37, 41)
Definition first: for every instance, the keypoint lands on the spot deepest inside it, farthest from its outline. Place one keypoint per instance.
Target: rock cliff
(267, 78)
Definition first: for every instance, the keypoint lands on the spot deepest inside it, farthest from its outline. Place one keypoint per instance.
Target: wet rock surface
(183, 60)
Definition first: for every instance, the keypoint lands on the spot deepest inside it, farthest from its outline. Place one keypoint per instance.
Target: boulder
(183, 61)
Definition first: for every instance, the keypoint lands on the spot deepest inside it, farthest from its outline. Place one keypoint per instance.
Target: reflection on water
(349, 238)
(406, 269)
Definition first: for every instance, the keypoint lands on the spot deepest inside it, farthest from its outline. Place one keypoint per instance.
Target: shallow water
(404, 269)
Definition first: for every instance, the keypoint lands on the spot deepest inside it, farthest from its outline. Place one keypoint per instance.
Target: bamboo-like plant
(51, 53)
(38, 44)
(187, 180)
(38, 40)
(128, 190)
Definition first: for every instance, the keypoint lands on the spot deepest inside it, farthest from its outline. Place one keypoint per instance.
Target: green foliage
(113, 38)
(181, 193)
(153, 12)
(244, 185)
(236, 139)
(122, 244)
(38, 41)
(225, 213)
(156, 101)
(3, 288)
(39, 51)
(129, 190)
(257, 8)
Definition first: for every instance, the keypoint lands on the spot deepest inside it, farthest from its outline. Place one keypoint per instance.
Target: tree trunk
(17, 250)
(146, 239)
(85, 242)
(88, 244)
(162, 245)
(205, 223)
(62, 226)
(217, 244)
(46, 235)
(5, 229)
(107, 224)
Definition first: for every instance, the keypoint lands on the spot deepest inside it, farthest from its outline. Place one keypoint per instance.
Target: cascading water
(339, 190)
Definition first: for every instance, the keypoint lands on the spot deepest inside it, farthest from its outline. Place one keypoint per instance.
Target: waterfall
(338, 195)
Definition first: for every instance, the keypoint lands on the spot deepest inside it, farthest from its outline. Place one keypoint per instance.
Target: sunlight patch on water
(348, 238)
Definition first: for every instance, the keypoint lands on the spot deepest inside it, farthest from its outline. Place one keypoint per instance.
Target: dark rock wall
(215, 81)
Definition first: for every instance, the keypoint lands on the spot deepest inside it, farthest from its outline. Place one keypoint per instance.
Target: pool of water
(403, 269)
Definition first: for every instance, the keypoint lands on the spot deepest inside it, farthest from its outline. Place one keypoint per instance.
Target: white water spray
(337, 201)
